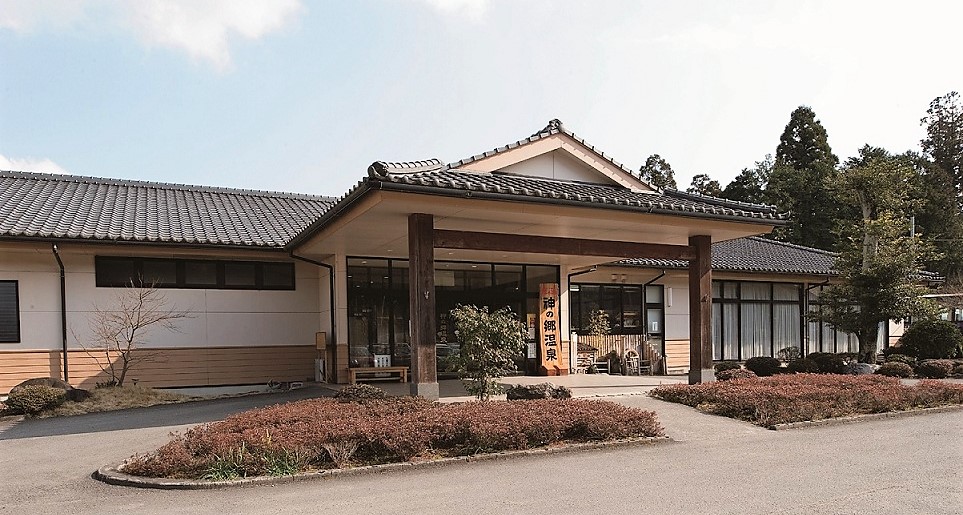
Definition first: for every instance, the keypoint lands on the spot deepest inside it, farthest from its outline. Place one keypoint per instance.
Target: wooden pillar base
(426, 390)
(698, 376)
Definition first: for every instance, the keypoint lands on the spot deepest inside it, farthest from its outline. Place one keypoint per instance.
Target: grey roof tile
(755, 254)
(75, 207)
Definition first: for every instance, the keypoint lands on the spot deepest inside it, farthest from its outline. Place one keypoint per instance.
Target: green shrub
(828, 362)
(521, 392)
(490, 341)
(763, 366)
(934, 368)
(803, 366)
(735, 373)
(895, 369)
(360, 393)
(901, 358)
(958, 370)
(932, 339)
(33, 399)
(726, 365)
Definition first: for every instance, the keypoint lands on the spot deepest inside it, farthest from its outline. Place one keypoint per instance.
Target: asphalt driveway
(890, 466)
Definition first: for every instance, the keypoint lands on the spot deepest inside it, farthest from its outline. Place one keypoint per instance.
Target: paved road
(717, 466)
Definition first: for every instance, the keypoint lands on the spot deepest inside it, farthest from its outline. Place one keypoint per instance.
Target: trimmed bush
(934, 368)
(763, 366)
(794, 398)
(932, 339)
(34, 398)
(360, 393)
(901, 358)
(803, 366)
(828, 362)
(895, 369)
(735, 373)
(958, 370)
(324, 433)
(726, 365)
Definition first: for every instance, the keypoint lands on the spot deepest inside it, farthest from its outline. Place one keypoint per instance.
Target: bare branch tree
(118, 333)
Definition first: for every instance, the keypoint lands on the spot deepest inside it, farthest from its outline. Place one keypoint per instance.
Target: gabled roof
(553, 127)
(34, 205)
(755, 254)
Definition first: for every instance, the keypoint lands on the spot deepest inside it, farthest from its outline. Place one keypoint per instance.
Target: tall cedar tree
(657, 172)
(801, 180)
(704, 185)
(938, 218)
(750, 184)
(878, 259)
(944, 138)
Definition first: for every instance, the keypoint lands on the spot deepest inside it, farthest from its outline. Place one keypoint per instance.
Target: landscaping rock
(537, 391)
(77, 395)
(858, 369)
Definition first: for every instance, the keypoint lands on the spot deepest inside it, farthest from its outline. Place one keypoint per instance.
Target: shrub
(763, 366)
(538, 391)
(803, 366)
(324, 433)
(793, 398)
(895, 369)
(34, 398)
(934, 368)
(360, 393)
(901, 358)
(490, 341)
(932, 339)
(788, 353)
(735, 373)
(828, 362)
(726, 365)
(958, 370)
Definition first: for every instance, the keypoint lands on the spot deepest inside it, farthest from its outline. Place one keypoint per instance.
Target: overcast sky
(302, 96)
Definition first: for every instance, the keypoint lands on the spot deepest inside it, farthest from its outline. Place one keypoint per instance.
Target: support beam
(444, 239)
(421, 302)
(700, 310)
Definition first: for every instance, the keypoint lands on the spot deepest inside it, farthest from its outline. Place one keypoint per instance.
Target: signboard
(549, 328)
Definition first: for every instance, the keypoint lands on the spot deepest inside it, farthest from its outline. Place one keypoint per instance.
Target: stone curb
(112, 474)
(865, 417)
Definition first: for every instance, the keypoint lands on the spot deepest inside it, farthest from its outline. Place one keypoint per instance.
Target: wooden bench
(374, 372)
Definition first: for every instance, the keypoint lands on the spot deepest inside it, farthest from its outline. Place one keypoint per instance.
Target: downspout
(63, 309)
(331, 291)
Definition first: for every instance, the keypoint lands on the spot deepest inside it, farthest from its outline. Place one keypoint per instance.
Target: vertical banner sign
(549, 330)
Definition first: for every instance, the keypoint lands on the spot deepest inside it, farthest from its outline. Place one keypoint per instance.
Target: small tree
(490, 342)
(879, 261)
(599, 323)
(117, 334)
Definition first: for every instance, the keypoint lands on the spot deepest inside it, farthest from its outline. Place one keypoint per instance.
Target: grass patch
(781, 399)
(318, 434)
(114, 398)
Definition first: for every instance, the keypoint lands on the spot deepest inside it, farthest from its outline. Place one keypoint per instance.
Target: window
(183, 273)
(752, 319)
(9, 312)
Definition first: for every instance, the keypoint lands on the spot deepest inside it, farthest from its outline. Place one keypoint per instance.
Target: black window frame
(16, 307)
(181, 281)
(772, 302)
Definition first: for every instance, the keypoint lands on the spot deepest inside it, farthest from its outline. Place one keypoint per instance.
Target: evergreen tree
(750, 184)
(704, 185)
(878, 259)
(944, 138)
(937, 217)
(800, 181)
(657, 172)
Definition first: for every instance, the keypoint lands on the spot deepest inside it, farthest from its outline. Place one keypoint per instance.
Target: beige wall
(558, 165)
(219, 318)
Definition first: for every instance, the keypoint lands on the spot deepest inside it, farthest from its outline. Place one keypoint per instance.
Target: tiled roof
(755, 254)
(431, 175)
(34, 205)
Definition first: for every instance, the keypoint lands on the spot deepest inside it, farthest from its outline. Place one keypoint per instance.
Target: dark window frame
(181, 282)
(738, 300)
(16, 307)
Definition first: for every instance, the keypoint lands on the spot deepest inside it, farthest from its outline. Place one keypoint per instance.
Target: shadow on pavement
(155, 416)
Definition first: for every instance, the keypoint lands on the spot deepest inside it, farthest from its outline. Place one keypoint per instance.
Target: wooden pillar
(700, 310)
(421, 298)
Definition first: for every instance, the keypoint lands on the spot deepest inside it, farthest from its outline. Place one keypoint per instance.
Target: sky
(298, 95)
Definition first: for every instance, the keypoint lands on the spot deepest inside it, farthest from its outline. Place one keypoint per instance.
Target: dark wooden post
(421, 298)
(700, 310)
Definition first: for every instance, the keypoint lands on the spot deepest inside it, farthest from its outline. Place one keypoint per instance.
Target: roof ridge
(793, 245)
(383, 168)
(723, 201)
(85, 179)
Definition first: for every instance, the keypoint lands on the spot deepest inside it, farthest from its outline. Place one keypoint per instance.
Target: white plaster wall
(676, 314)
(557, 165)
(218, 317)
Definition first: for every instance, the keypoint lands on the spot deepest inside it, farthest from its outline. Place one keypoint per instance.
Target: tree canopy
(704, 185)
(943, 144)
(657, 172)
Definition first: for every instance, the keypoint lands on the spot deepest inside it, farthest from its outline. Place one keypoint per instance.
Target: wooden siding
(189, 366)
(622, 343)
(677, 356)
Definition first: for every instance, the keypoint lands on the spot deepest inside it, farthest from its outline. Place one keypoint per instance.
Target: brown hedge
(323, 433)
(794, 398)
